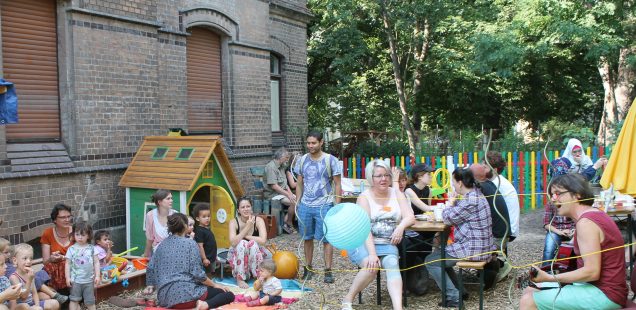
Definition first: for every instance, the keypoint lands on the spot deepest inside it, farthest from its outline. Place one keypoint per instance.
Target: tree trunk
(619, 92)
(625, 91)
(609, 102)
(422, 32)
(399, 82)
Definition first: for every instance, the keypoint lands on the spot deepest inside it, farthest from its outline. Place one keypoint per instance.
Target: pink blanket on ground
(234, 306)
(239, 304)
(285, 300)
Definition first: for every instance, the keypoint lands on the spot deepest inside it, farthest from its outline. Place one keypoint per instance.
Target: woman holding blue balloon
(390, 214)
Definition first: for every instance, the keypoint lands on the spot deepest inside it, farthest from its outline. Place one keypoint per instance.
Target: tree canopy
(466, 64)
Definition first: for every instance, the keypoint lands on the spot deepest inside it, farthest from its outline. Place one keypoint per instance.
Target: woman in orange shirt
(55, 242)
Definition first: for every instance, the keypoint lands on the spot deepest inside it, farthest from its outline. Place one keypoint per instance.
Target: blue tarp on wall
(8, 104)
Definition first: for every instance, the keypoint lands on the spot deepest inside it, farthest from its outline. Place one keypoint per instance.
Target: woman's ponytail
(465, 175)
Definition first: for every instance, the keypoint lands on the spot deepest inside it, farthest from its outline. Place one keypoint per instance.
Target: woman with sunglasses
(55, 242)
(599, 281)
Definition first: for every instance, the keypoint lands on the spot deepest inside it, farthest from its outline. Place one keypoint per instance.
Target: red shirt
(612, 280)
(48, 237)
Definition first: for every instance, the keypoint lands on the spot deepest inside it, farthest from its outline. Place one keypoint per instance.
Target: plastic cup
(437, 211)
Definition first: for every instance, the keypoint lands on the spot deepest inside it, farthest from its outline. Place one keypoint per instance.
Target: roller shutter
(29, 59)
(205, 104)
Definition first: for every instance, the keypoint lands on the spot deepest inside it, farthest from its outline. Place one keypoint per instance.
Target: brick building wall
(122, 76)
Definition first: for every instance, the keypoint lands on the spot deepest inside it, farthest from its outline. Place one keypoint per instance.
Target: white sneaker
(346, 306)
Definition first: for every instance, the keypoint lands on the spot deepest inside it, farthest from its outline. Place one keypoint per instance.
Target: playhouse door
(221, 211)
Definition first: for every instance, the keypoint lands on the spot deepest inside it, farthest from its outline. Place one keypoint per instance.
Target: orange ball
(286, 264)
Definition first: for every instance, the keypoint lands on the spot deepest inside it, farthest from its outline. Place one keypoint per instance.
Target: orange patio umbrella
(621, 168)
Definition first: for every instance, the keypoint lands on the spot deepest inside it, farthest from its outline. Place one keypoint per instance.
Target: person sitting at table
(500, 217)
(599, 282)
(510, 195)
(402, 180)
(390, 215)
(473, 232)
(418, 243)
(419, 193)
(580, 162)
(558, 228)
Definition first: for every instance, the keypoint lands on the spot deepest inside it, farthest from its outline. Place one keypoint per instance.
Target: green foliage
(490, 63)
(559, 133)
(510, 141)
(385, 149)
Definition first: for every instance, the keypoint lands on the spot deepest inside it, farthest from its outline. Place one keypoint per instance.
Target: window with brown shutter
(29, 60)
(205, 104)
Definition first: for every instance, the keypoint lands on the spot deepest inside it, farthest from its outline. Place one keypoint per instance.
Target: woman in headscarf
(580, 162)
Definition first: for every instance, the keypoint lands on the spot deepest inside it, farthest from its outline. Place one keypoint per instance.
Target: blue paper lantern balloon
(346, 226)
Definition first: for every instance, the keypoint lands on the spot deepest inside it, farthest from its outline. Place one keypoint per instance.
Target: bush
(385, 149)
(560, 132)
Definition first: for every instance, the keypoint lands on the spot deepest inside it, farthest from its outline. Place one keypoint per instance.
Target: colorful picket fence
(527, 171)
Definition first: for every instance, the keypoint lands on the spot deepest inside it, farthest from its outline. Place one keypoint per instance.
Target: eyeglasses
(68, 217)
(557, 194)
(380, 176)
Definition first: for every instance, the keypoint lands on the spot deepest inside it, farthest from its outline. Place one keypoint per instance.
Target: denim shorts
(360, 253)
(310, 221)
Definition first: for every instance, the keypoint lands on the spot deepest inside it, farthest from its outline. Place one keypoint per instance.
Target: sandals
(289, 229)
(347, 306)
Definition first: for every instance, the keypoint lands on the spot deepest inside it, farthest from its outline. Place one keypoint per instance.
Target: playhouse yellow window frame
(208, 170)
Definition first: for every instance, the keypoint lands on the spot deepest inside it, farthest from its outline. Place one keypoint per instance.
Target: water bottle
(361, 186)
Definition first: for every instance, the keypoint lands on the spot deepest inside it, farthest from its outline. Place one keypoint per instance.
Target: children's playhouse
(194, 168)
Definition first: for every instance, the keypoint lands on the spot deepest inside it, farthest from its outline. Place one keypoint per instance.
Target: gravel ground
(524, 250)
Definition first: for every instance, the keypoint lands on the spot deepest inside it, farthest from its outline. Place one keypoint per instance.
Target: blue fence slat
(515, 170)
